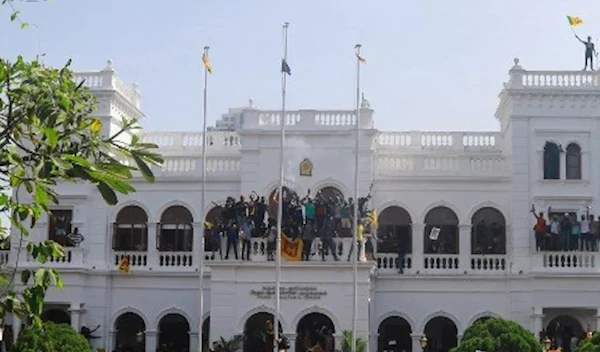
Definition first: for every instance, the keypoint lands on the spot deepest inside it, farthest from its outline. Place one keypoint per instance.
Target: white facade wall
(417, 171)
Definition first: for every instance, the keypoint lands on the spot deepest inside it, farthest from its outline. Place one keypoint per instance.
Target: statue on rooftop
(364, 104)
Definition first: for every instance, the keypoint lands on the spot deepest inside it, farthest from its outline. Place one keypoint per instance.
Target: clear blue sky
(433, 65)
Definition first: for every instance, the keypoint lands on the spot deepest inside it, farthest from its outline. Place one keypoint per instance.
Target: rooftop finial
(516, 66)
(251, 103)
(109, 65)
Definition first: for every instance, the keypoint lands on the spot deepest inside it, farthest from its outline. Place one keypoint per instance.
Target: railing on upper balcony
(216, 141)
(108, 79)
(308, 119)
(73, 259)
(459, 141)
(571, 80)
(457, 165)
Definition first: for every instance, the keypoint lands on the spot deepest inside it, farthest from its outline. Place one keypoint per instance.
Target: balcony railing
(73, 259)
(458, 165)
(458, 141)
(216, 142)
(566, 262)
(109, 80)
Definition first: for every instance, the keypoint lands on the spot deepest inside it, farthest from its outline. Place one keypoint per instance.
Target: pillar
(563, 165)
(597, 328)
(194, 343)
(464, 247)
(292, 340)
(362, 257)
(416, 342)
(75, 311)
(458, 339)
(418, 249)
(339, 338)
(373, 342)
(16, 326)
(538, 320)
(151, 340)
(197, 241)
(112, 340)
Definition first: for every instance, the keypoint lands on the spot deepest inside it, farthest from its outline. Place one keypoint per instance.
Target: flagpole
(356, 203)
(280, 202)
(202, 206)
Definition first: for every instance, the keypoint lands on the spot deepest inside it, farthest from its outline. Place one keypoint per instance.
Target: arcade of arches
(441, 231)
(395, 335)
(312, 329)
(173, 333)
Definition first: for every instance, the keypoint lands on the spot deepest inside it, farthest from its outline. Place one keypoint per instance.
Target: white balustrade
(467, 141)
(73, 258)
(136, 259)
(175, 260)
(460, 165)
(566, 261)
(215, 141)
(108, 80)
(389, 263)
(488, 263)
(4, 257)
(554, 80)
(440, 263)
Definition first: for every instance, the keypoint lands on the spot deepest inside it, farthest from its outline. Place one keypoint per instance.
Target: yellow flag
(207, 63)
(96, 126)
(574, 20)
(124, 265)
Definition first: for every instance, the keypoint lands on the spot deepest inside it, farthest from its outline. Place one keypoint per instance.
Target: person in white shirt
(555, 233)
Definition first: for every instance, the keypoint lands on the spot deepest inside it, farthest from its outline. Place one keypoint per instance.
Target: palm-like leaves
(231, 345)
(361, 345)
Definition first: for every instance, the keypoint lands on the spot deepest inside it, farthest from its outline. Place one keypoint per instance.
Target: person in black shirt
(590, 51)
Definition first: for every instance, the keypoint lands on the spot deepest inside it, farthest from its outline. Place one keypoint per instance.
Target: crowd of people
(565, 231)
(325, 216)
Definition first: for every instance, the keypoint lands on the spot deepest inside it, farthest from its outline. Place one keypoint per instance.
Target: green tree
(361, 345)
(232, 345)
(497, 334)
(51, 337)
(49, 136)
(590, 344)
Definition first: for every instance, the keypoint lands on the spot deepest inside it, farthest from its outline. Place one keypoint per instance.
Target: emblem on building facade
(306, 167)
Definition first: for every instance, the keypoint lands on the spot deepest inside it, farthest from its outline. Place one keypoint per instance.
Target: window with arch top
(175, 231)
(551, 161)
(130, 232)
(488, 232)
(573, 162)
(441, 231)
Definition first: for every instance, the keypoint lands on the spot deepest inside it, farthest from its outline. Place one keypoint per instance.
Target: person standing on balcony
(232, 240)
(575, 233)
(327, 239)
(215, 240)
(594, 233)
(590, 51)
(271, 240)
(565, 232)
(586, 236)
(555, 240)
(539, 229)
(246, 233)
(308, 235)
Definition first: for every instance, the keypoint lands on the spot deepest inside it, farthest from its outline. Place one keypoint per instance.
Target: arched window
(573, 162)
(488, 232)
(551, 161)
(175, 232)
(441, 231)
(130, 231)
(394, 231)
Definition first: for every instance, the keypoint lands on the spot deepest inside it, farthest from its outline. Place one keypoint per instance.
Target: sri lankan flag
(124, 265)
(206, 62)
(574, 21)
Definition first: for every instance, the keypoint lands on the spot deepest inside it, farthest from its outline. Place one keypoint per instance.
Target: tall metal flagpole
(280, 202)
(202, 206)
(356, 220)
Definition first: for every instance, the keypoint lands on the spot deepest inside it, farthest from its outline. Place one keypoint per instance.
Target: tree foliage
(232, 345)
(590, 344)
(49, 136)
(495, 334)
(361, 345)
(51, 337)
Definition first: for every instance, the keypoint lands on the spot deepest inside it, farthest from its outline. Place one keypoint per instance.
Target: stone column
(538, 321)
(362, 257)
(339, 338)
(152, 252)
(458, 339)
(151, 340)
(112, 340)
(597, 327)
(76, 311)
(197, 241)
(292, 340)
(373, 342)
(194, 343)
(416, 342)
(16, 326)
(464, 247)
(418, 249)
(563, 165)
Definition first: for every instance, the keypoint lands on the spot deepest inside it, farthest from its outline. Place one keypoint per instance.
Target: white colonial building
(545, 153)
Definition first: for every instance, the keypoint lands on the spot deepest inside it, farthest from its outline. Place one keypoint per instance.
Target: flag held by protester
(124, 265)
(574, 21)
(291, 249)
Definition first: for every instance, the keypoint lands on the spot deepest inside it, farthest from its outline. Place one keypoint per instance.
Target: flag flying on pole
(207, 63)
(360, 58)
(285, 67)
(574, 21)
